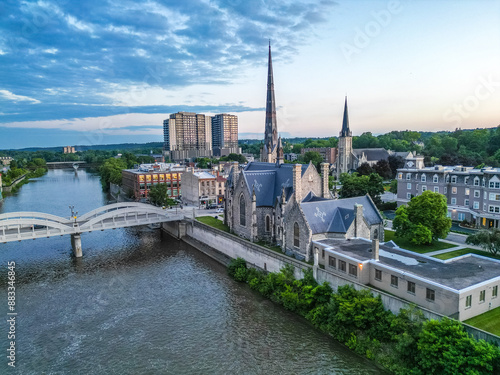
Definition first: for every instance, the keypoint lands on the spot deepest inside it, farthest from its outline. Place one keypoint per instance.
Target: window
(322, 253)
(296, 235)
(242, 211)
(461, 216)
(494, 197)
(378, 275)
(342, 265)
(394, 281)
(331, 262)
(468, 301)
(453, 190)
(466, 202)
(445, 190)
(408, 195)
(494, 185)
(482, 295)
(476, 205)
(494, 291)
(483, 182)
(435, 179)
(436, 189)
(423, 178)
(447, 179)
(466, 180)
(430, 294)
(400, 176)
(477, 193)
(411, 287)
(453, 179)
(476, 181)
(424, 188)
(453, 200)
(467, 191)
(408, 176)
(268, 223)
(353, 270)
(408, 185)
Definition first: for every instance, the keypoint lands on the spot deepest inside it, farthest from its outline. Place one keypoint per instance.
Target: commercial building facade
(472, 194)
(138, 182)
(203, 188)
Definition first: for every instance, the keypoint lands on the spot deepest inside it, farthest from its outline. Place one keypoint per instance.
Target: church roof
(372, 154)
(336, 216)
(269, 179)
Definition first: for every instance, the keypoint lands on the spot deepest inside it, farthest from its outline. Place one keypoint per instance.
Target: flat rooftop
(455, 273)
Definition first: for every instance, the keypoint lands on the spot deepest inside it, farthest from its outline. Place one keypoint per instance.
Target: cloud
(93, 53)
(17, 98)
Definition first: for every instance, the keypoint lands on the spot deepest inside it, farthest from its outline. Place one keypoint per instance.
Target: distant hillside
(116, 146)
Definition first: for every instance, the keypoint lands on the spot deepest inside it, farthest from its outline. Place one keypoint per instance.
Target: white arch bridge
(19, 226)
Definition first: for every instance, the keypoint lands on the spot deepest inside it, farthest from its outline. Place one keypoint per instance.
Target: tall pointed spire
(346, 132)
(271, 129)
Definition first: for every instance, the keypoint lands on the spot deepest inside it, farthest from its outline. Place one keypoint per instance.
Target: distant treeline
(470, 147)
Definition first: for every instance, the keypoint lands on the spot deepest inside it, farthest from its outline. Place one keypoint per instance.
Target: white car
(220, 211)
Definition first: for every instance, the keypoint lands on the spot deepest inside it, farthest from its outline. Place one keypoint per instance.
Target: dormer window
(453, 179)
(424, 178)
(447, 179)
(476, 181)
(435, 179)
(408, 176)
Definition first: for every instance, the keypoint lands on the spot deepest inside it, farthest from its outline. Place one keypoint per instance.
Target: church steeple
(271, 129)
(345, 132)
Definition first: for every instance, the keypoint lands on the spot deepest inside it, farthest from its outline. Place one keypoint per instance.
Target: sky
(108, 71)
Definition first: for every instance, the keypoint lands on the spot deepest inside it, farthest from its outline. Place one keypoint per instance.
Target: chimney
(358, 212)
(297, 182)
(325, 192)
(375, 249)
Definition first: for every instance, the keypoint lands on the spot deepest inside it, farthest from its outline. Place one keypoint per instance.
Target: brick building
(138, 182)
(203, 188)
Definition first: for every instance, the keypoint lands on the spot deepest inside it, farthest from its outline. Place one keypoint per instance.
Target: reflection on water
(141, 302)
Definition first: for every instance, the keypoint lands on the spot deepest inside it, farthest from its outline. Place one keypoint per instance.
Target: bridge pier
(76, 244)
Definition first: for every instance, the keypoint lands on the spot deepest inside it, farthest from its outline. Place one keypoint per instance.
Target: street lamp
(73, 213)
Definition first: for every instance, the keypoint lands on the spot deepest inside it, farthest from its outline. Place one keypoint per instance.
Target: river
(140, 302)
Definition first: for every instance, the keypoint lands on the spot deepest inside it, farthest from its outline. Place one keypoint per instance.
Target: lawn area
(422, 249)
(216, 223)
(457, 253)
(489, 321)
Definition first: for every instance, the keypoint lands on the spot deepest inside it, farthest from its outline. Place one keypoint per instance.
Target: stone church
(290, 205)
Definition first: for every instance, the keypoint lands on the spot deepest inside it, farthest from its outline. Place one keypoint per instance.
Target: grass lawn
(216, 223)
(457, 253)
(489, 321)
(422, 249)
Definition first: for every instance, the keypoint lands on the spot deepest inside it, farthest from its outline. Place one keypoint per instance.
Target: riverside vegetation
(403, 343)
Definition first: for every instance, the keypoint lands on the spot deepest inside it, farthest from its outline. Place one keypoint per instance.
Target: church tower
(344, 148)
(269, 152)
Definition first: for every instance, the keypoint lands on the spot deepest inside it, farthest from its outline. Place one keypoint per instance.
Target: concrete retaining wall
(8, 189)
(205, 237)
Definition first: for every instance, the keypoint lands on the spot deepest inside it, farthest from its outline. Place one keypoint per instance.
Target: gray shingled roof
(336, 216)
(268, 180)
(372, 154)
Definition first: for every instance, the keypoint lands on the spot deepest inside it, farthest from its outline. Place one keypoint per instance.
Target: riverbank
(218, 244)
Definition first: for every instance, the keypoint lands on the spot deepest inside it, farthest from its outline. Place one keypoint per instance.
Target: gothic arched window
(296, 235)
(242, 211)
(268, 223)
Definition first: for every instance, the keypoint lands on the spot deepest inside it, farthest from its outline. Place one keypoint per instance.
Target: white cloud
(17, 98)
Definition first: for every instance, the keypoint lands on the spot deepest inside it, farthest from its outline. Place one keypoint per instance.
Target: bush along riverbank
(405, 343)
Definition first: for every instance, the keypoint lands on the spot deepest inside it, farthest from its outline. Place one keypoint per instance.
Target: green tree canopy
(111, 172)
(424, 219)
(158, 195)
(489, 240)
(313, 157)
(354, 185)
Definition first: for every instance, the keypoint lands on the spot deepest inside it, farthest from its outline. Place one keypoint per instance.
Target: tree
(354, 185)
(314, 157)
(489, 240)
(445, 348)
(383, 169)
(111, 172)
(394, 186)
(158, 195)
(365, 169)
(395, 162)
(424, 219)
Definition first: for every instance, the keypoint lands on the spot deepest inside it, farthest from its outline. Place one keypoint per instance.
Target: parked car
(220, 211)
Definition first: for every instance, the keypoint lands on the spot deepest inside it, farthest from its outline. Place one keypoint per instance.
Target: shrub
(234, 265)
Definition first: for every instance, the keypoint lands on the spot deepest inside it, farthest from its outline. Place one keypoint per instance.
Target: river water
(140, 302)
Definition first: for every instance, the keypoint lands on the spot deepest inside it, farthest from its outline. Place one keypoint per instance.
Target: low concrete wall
(205, 237)
(8, 189)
